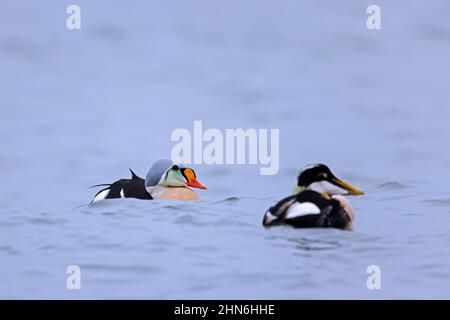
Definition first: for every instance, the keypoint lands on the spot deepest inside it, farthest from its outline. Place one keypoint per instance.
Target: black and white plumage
(123, 188)
(308, 209)
(318, 202)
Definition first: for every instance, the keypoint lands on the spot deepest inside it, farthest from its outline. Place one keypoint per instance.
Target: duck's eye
(324, 175)
(175, 167)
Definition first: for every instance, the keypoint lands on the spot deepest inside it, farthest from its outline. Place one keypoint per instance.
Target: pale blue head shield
(156, 171)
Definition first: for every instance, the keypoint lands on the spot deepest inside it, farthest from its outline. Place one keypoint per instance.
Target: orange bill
(192, 180)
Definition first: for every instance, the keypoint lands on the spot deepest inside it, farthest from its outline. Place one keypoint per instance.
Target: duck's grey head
(166, 173)
(157, 172)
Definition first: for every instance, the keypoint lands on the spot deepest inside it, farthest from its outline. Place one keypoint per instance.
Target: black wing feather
(130, 188)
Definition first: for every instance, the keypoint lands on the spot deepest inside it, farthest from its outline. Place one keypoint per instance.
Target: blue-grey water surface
(80, 107)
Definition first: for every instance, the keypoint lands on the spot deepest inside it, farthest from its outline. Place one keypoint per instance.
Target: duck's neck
(172, 193)
(346, 205)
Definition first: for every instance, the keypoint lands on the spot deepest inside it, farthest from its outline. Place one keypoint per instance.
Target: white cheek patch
(326, 187)
(302, 209)
(122, 194)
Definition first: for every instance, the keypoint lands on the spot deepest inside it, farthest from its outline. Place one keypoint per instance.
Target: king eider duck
(164, 181)
(318, 202)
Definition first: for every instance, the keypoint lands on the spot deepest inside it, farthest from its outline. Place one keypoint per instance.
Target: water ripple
(393, 185)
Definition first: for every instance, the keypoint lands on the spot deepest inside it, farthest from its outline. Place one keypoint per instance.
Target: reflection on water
(444, 202)
(315, 244)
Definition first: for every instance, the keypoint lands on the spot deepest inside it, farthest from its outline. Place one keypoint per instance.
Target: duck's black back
(129, 188)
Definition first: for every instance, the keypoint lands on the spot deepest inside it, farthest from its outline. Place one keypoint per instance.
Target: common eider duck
(318, 202)
(165, 180)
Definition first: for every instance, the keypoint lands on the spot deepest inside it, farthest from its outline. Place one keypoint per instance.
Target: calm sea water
(79, 107)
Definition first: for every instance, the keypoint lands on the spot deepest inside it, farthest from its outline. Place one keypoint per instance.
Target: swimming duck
(165, 180)
(318, 202)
